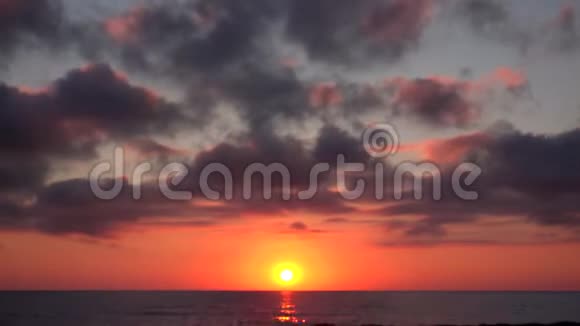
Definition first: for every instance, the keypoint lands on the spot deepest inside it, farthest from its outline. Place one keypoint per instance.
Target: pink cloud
(509, 78)
(399, 21)
(125, 28)
(441, 100)
(452, 150)
(324, 95)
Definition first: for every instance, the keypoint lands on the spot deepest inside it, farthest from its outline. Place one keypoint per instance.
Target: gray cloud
(534, 177)
(222, 52)
(28, 22)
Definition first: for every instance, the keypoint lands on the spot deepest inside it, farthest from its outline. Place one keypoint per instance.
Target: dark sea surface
(273, 308)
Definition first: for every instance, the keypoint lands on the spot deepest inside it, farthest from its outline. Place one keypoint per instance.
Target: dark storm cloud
(29, 123)
(267, 94)
(28, 21)
(99, 94)
(535, 164)
(436, 102)
(494, 20)
(188, 39)
(213, 36)
(265, 148)
(535, 177)
(118, 110)
(79, 110)
(299, 226)
(263, 94)
(70, 207)
(351, 32)
(22, 172)
(268, 148)
(191, 37)
(483, 15)
(515, 183)
(70, 118)
(223, 50)
(333, 141)
(445, 101)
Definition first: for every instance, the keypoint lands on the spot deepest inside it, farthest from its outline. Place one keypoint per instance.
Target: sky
(191, 83)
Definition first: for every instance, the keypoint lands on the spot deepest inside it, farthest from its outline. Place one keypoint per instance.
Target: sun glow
(286, 274)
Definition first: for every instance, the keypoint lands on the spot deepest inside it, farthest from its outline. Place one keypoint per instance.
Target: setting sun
(286, 275)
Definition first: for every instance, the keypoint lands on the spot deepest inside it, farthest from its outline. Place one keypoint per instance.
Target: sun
(286, 275)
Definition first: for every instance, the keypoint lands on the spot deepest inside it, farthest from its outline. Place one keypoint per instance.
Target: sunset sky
(294, 82)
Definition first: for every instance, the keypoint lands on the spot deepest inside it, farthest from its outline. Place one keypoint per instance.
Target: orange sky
(364, 82)
(243, 256)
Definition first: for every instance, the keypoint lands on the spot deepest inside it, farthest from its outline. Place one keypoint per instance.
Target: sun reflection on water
(287, 312)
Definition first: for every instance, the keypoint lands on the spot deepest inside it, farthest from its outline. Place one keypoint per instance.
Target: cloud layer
(283, 73)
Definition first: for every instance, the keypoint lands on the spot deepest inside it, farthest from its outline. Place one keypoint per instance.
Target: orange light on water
(288, 313)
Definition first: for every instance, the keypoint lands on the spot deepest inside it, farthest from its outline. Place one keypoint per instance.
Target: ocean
(285, 308)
